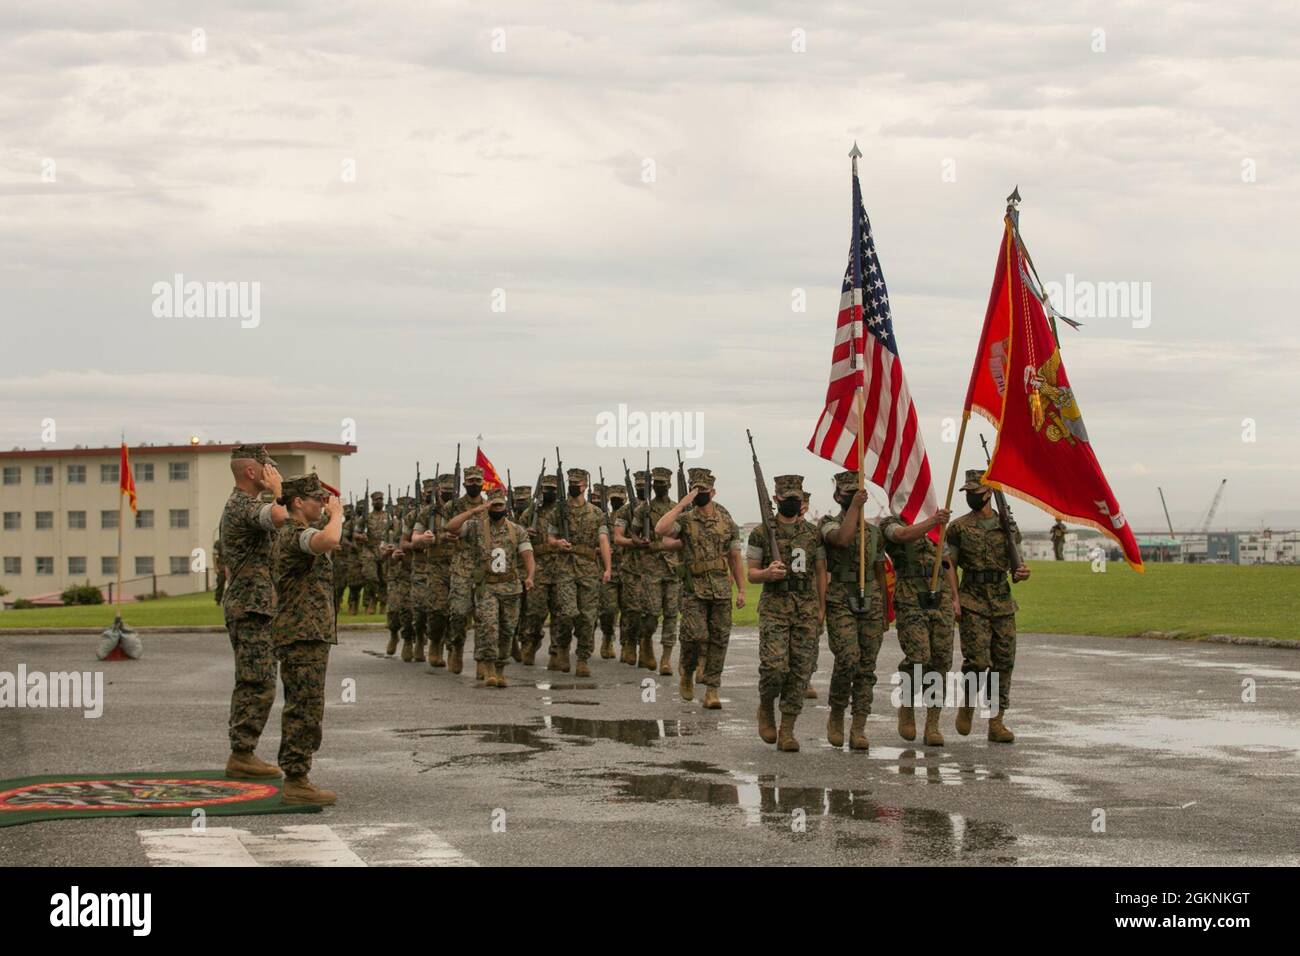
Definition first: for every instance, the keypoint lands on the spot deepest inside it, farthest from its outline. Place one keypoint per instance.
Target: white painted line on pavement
(356, 844)
(215, 846)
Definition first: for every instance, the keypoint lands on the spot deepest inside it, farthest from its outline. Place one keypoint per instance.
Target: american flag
(865, 368)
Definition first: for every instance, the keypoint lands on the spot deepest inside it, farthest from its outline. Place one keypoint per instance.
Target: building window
(45, 565)
(13, 565)
(144, 471)
(178, 471)
(76, 474)
(108, 520)
(77, 520)
(109, 474)
(13, 520)
(13, 475)
(108, 565)
(43, 474)
(144, 519)
(180, 565)
(44, 520)
(76, 567)
(144, 565)
(179, 518)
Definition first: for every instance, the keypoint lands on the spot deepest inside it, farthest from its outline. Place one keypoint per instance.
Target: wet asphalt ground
(562, 771)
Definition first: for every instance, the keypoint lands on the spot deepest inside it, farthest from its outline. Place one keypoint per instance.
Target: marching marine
(585, 560)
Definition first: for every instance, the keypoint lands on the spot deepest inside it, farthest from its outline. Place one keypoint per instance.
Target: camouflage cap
(428, 483)
(256, 452)
(523, 492)
(616, 491)
(974, 480)
(302, 486)
(846, 481)
(700, 478)
(347, 508)
(376, 494)
(661, 474)
(495, 495)
(472, 471)
(598, 489)
(447, 482)
(579, 474)
(639, 477)
(548, 481)
(789, 486)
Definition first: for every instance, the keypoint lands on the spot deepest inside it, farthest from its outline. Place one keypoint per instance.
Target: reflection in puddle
(535, 735)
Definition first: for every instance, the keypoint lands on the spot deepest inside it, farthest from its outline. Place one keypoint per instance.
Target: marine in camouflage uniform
(460, 597)
(790, 610)
(924, 623)
(585, 560)
(397, 572)
(661, 579)
(248, 523)
(304, 628)
(338, 558)
(219, 569)
(854, 626)
(601, 496)
(353, 557)
(368, 534)
(630, 541)
(497, 547)
(553, 593)
(422, 532)
(1058, 540)
(985, 608)
(711, 548)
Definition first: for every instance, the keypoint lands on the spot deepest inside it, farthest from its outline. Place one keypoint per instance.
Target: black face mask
(976, 500)
(548, 497)
(448, 496)
(661, 491)
(789, 507)
(640, 493)
(615, 503)
(496, 515)
(575, 490)
(473, 490)
(702, 498)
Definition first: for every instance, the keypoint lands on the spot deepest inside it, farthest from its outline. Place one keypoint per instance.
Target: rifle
(455, 479)
(682, 489)
(1004, 516)
(764, 502)
(536, 523)
(630, 490)
(604, 492)
(647, 530)
(364, 514)
(561, 499)
(510, 495)
(419, 492)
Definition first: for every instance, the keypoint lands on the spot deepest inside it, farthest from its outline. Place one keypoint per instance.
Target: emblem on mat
(138, 793)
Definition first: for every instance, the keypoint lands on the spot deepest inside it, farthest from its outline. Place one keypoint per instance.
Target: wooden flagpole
(854, 153)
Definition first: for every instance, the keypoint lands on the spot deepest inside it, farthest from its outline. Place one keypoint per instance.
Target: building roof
(138, 451)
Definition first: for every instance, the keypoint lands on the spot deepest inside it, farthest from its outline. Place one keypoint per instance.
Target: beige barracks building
(60, 513)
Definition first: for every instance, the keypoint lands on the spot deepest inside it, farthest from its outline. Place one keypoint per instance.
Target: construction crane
(1166, 507)
(1214, 507)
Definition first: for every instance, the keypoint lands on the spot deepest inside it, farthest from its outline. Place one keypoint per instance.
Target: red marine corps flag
(490, 477)
(1019, 383)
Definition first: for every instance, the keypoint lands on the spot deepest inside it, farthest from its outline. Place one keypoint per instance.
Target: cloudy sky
(644, 187)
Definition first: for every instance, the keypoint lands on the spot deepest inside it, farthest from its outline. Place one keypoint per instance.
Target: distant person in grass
(247, 525)
(304, 627)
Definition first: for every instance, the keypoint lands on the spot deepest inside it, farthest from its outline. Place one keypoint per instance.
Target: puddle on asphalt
(537, 735)
(1218, 736)
(917, 833)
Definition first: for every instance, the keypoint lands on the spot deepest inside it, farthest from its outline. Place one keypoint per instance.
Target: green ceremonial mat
(150, 794)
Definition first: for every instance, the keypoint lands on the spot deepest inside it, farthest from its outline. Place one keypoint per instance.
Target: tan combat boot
(699, 666)
(489, 673)
(501, 676)
(299, 790)
(515, 653)
(785, 739)
(562, 660)
(686, 684)
(835, 727)
(646, 654)
(858, 733)
(391, 649)
(455, 659)
(408, 651)
(711, 699)
(766, 722)
(435, 654)
(606, 648)
(244, 766)
(811, 692)
(666, 662)
(998, 731)
(932, 736)
(906, 723)
(629, 653)
(419, 650)
(527, 653)
(480, 670)
(964, 715)
(581, 669)
(352, 607)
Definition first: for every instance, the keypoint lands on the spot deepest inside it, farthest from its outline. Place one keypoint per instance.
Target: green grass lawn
(1065, 597)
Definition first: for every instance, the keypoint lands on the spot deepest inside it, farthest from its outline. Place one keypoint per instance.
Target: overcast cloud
(522, 171)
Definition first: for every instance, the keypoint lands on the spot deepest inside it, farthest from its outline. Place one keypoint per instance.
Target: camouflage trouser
(460, 605)
(368, 571)
(580, 627)
(609, 598)
(399, 609)
(250, 704)
(989, 643)
(705, 632)
(559, 599)
(788, 632)
(496, 619)
(429, 608)
(925, 638)
(662, 599)
(855, 641)
(220, 590)
(631, 606)
(302, 671)
(356, 587)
